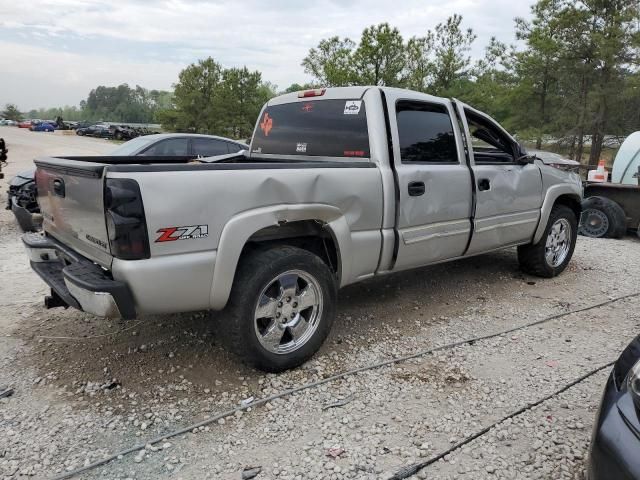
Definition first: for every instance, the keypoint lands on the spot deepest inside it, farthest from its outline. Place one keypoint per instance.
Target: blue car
(43, 127)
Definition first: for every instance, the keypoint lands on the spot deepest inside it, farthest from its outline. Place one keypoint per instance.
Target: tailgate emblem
(171, 234)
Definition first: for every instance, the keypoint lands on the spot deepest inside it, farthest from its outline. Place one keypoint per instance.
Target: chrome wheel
(558, 243)
(288, 312)
(595, 223)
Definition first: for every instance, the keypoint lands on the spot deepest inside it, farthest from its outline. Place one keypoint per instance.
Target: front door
(434, 209)
(508, 192)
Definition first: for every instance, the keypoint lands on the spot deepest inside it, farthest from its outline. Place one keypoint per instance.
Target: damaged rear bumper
(76, 281)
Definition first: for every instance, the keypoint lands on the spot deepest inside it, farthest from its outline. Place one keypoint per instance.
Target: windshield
(325, 128)
(132, 146)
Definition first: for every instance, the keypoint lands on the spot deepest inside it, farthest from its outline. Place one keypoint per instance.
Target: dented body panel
(380, 212)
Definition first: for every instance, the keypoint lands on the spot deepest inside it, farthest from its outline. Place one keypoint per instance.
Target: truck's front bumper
(77, 281)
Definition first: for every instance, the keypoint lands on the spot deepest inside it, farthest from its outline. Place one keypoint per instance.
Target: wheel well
(571, 202)
(311, 235)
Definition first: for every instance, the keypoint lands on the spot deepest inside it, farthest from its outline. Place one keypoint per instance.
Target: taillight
(126, 224)
(318, 92)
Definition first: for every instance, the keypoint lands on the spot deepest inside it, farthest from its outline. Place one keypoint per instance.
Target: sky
(53, 52)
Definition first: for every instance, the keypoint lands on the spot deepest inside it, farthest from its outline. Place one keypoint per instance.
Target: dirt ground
(86, 387)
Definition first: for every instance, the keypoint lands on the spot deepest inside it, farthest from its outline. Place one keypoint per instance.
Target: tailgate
(70, 194)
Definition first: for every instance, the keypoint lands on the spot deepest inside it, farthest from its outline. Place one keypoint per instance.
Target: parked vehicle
(24, 124)
(614, 452)
(77, 125)
(8, 123)
(21, 196)
(611, 209)
(180, 144)
(21, 200)
(42, 127)
(340, 185)
(123, 132)
(98, 130)
(3, 156)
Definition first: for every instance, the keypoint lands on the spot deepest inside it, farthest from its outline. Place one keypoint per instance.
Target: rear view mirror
(525, 159)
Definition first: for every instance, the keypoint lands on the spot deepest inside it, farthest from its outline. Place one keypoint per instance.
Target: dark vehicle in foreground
(615, 442)
(21, 198)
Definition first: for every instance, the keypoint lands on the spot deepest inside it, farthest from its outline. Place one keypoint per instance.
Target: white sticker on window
(301, 147)
(352, 107)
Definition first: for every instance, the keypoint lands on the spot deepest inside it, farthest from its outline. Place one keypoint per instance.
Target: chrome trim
(101, 304)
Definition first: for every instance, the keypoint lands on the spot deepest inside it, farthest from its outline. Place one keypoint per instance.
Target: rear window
(324, 128)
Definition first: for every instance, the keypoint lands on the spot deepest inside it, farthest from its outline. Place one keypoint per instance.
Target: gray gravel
(80, 398)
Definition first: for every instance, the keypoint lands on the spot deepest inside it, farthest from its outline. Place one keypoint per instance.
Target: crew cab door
(433, 181)
(508, 191)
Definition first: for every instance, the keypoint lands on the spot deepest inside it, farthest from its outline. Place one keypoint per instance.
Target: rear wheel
(281, 308)
(551, 255)
(602, 217)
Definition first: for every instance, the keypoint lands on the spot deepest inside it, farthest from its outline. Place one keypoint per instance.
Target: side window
(488, 142)
(169, 147)
(426, 133)
(208, 147)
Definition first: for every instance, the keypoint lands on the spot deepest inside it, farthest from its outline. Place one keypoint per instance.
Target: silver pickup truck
(339, 185)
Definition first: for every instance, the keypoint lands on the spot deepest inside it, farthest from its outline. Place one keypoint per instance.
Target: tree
(420, 66)
(330, 63)
(11, 112)
(451, 46)
(380, 57)
(211, 99)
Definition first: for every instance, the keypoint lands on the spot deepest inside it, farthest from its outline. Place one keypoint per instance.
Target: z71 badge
(171, 234)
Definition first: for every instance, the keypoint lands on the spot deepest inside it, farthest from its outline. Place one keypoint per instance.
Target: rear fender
(241, 227)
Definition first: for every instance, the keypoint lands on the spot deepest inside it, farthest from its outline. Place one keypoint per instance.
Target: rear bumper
(79, 282)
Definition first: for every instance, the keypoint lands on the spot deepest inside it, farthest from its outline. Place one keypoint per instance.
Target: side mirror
(525, 159)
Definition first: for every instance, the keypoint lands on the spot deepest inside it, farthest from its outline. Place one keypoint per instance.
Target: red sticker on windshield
(267, 124)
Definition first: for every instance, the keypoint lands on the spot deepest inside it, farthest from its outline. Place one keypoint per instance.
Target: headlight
(633, 382)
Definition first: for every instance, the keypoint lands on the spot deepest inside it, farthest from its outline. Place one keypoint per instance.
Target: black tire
(118, 136)
(78, 132)
(602, 217)
(256, 271)
(532, 257)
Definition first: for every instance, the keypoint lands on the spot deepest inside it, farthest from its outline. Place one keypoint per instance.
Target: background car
(98, 130)
(43, 127)
(614, 452)
(24, 124)
(77, 125)
(21, 198)
(123, 132)
(180, 144)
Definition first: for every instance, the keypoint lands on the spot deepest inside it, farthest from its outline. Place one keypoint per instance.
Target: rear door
(508, 193)
(70, 195)
(433, 218)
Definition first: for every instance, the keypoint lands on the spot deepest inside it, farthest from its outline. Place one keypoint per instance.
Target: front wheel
(281, 308)
(551, 255)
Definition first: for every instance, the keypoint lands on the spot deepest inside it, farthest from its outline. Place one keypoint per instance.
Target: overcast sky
(52, 52)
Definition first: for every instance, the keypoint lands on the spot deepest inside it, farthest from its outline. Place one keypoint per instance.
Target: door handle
(484, 184)
(416, 189)
(58, 187)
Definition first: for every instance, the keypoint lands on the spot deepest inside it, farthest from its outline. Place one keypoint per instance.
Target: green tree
(420, 65)
(451, 47)
(380, 58)
(211, 99)
(11, 112)
(330, 63)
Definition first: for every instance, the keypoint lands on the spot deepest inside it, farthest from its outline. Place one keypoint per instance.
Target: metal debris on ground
(250, 472)
(339, 403)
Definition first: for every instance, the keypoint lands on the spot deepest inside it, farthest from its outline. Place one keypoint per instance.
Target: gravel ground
(85, 388)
